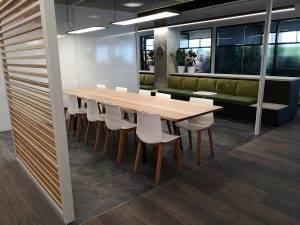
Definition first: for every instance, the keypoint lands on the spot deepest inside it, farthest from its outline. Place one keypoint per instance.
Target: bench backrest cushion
(206, 84)
(189, 83)
(142, 79)
(247, 88)
(175, 82)
(226, 86)
(149, 80)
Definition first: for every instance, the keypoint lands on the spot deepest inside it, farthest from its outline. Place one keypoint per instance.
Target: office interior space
(149, 112)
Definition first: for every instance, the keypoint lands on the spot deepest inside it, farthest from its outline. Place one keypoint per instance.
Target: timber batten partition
(33, 85)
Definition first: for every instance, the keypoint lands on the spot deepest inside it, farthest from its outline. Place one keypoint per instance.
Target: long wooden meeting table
(169, 109)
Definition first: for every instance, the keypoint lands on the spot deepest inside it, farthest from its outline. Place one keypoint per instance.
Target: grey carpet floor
(99, 184)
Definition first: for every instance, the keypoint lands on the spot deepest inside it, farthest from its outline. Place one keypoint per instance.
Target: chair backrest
(92, 112)
(163, 95)
(144, 92)
(121, 89)
(72, 104)
(101, 86)
(113, 117)
(149, 128)
(207, 118)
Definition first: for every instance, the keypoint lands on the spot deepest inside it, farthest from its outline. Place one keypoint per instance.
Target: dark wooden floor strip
(257, 183)
(21, 202)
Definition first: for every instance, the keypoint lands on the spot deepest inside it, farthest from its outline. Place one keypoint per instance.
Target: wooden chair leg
(78, 127)
(106, 145)
(87, 132)
(198, 146)
(159, 162)
(169, 127)
(190, 139)
(138, 156)
(121, 143)
(179, 156)
(69, 125)
(210, 141)
(98, 133)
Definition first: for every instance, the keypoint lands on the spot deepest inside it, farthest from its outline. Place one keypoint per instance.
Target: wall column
(168, 39)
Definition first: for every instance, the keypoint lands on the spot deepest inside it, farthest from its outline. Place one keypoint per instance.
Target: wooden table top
(169, 109)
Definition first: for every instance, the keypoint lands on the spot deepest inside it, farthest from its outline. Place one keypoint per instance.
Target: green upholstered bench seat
(240, 100)
(146, 87)
(147, 81)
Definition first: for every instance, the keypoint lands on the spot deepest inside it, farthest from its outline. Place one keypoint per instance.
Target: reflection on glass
(184, 43)
(195, 43)
(205, 42)
(287, 37)
(288, 60)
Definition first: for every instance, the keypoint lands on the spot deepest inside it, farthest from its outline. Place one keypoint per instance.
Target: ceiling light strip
(86, 30)
(152, 17)
(224, 18)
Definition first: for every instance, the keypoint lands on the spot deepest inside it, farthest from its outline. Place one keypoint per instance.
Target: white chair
(114, 122)
(198, 124)
(93, 116)
(121, 89)
(165, 96)
(149, 131)
(75, 111)
(144, 92)
(101, 86)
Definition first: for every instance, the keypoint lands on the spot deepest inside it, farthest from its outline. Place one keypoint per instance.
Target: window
(147, 45)
(239, 48)
(200, 42)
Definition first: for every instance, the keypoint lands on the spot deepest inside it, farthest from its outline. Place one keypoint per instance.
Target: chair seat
(126, 125)
(189, 125)
(82, 111)
(166, 138)
(101, 117)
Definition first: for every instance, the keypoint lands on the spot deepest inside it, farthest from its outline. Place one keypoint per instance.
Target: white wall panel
(4, 112)
(107, 56)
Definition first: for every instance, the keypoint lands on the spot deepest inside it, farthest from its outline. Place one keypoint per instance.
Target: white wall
(4, 112)
(106, 56)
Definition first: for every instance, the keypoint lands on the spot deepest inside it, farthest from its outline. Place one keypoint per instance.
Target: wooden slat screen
(25, 72)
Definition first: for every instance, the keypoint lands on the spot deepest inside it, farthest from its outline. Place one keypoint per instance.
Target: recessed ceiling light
(85, 30)
(133, 4)
(147, 18)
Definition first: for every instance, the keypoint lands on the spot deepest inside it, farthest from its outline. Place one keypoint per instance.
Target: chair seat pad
(126, 125)
(82, 111)
(189, 125)
(166, 138)
(101, 117)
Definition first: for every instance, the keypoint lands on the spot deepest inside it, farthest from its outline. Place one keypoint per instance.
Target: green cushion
(142, 79)
(149, 80)
(189, 83)
(175, 82)
(145, 87)
(206, 84)
(247, 88)
(226, 86)
(240, 100)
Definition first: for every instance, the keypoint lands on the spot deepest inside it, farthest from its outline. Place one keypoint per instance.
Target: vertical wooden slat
(29, 96)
